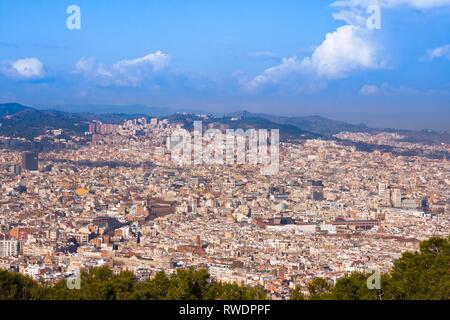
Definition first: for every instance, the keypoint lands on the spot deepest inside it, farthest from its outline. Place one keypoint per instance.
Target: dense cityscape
(113, 197)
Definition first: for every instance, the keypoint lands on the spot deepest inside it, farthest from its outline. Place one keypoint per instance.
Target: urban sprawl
(114, 197)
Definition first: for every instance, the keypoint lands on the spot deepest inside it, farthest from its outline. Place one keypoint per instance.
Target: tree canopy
(102, 284)
(423, 275)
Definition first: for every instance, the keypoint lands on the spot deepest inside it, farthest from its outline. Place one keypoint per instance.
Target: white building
(10, 248)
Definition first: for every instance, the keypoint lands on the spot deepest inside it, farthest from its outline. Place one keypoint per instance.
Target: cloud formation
(346, 50)
(418, 4)
(126, 73)
(28, 68)
(263, 55)
(386, 89)
(354, 12)
(373, 90)
(440, 52)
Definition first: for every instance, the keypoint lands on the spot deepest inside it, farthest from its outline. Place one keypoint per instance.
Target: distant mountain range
(287, 131)
(115, 109)
(327, 127)
(22, 121)
(316, 124)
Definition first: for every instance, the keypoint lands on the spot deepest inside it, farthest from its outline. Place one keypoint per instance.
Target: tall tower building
(30, 161)
(382, 187)
(10, 248)
(396, 198)
(315, 190)
(15, 169)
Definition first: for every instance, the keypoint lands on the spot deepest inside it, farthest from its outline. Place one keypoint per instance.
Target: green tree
(97, 284)
(297, 294)
(155, 288)
(14, 286)
(188, 284)
(354, 287)
(319, 289)
(423, 275)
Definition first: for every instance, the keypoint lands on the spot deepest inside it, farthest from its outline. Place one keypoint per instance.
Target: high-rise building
(10, 248)
(384, 191)
(30, 161)
(396, 198)
(15, 169)
(382, 188)
(424, 204)
(315, 188)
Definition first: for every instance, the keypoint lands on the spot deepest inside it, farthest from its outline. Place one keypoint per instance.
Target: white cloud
(418, 4)
(372, 90)
(354, 12)
(343, 51)
(28, 68)
(439, 52)
(351, 17)
(347, 49)
(131, 72)
(388, 90)
(263, 55)
(277, 73)
(158, 60)
(385, 89)
(85, 65)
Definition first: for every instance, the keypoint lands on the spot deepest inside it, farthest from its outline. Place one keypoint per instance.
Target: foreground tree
(319, 289)
(14, 286)
(423, 275)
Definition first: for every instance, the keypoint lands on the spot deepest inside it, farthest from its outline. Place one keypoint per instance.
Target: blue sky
(281, 57)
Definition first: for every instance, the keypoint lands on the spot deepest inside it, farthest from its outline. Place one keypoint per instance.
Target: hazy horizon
(409, 121)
